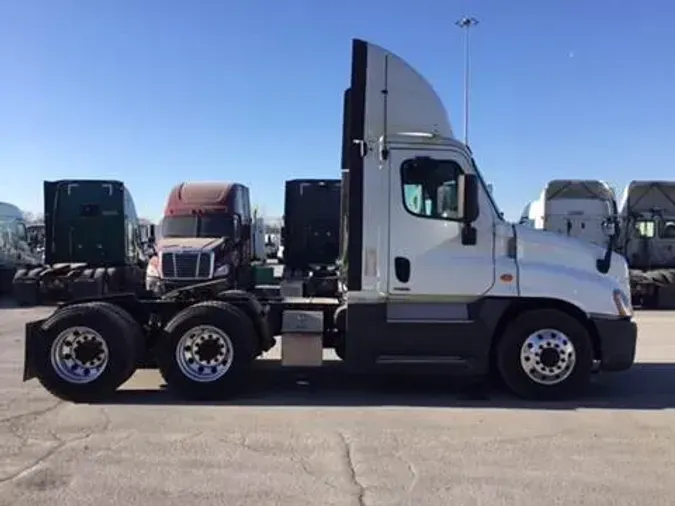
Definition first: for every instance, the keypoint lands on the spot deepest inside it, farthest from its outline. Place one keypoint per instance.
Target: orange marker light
(506, 278)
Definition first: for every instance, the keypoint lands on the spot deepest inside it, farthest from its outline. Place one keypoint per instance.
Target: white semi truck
(15, 250)
(434, 280)
(580, 208)
(647, 212)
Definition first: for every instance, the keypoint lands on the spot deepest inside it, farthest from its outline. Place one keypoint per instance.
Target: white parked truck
(647, 211)
(434, 280)
(15, 250)
(580, 208)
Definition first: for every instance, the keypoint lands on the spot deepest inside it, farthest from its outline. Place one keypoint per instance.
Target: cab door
(428, 256)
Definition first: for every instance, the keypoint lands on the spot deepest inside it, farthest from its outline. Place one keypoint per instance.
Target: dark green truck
(93, 244)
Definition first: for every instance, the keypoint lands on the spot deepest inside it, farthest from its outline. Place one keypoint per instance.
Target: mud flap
(30, 348)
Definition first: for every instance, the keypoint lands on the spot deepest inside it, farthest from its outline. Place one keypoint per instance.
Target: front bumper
(160, 286)
(618, 340)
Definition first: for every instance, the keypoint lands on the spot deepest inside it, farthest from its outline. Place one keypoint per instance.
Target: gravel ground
(332, 441)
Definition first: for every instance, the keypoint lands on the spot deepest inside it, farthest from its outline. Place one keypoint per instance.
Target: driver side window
(430, 188)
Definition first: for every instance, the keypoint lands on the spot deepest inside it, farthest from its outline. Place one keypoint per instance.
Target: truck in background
(147, 230)
(36, 239)
(647, 212)
(645, 222)
(435, 283)
(92, 244)
(577, 208)
(311, 236)
(15, 248)
(206, 233)
(532, 215)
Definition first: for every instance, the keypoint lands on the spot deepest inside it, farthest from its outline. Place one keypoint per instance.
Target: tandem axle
(205, 342)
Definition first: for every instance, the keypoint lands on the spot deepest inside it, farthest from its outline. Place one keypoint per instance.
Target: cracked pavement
(332, 441)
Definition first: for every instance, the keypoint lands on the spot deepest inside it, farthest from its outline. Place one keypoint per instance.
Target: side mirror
(469, 192)
(282, 238)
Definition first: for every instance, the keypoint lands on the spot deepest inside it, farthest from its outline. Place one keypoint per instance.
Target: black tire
(660, 277)
(134, 332)
(35, 272)
(103, 318)
(237, 327)
(514, 339)
(20, 273)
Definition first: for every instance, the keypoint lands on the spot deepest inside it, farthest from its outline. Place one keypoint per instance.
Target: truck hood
(198, 243)
(542, 246)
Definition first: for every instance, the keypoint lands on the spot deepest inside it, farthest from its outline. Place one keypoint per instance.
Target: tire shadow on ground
(646, 386)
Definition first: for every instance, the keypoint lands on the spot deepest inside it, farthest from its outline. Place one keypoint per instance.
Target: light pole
(465, 24)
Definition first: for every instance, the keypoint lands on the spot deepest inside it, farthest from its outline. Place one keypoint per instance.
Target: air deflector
(352, 166)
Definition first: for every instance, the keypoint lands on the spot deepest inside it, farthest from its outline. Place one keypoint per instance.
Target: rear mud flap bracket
(30, 348)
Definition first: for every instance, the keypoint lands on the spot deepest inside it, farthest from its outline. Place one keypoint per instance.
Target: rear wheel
(207, 351)
(545, 354)
(85, 352)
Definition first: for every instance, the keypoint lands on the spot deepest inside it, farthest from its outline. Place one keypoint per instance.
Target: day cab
(437, 278)
(433, 279)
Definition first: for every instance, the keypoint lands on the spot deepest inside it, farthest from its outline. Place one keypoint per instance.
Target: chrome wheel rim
(204, 353)
(79, 355)
(548, 357)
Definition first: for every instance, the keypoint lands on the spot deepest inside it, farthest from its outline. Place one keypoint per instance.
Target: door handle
(402, 269)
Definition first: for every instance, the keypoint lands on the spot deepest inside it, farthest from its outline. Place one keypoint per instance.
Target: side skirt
(420, 337)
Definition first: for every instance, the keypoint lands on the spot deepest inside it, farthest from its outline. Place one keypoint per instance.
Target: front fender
(591, 292)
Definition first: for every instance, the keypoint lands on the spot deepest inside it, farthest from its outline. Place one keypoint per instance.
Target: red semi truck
(205, 234)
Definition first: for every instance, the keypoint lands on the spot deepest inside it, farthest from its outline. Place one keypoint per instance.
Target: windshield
(14, 229)
(197, 226)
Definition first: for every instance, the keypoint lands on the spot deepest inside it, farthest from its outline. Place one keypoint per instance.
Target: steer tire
(537, 322)
(118, 336)
(239, 335)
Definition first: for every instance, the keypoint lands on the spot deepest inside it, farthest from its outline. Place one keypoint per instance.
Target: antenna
(465, 24)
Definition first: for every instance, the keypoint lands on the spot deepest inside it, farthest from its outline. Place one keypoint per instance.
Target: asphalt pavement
(330, 440)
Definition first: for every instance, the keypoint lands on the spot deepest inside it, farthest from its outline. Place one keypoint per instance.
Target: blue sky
(154, 92)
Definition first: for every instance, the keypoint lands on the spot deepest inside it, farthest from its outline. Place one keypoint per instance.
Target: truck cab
(435, 276)
(647, 212)
(206, 233)
(579, 208)
(15, 250)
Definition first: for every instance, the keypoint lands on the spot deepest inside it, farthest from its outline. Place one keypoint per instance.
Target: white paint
(549, 265)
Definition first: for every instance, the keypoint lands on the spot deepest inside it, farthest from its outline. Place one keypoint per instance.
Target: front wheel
(545, 354)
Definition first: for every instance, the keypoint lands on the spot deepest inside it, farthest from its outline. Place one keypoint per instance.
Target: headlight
(623, 303)
(223, 270)
(152, 271)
